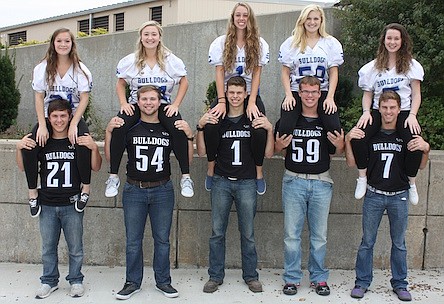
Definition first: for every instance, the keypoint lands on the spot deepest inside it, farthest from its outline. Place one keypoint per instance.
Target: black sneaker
(290, 289)
(80, 204)
(127, 291)
(34, 207)
(168, 290)
(321, 288)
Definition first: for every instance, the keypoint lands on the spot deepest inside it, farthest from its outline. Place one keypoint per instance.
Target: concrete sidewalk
(18, 283)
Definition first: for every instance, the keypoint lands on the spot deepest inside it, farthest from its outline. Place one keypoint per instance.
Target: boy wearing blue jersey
(59, 198)
(234, 180)
(387, 190)
(307, 189)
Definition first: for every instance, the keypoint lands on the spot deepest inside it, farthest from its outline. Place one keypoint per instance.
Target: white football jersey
(377, 82)
(164, 79)
(215, 58)
(68, 87)
(315, 61)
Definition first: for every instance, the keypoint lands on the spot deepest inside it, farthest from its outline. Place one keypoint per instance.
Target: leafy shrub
(9, 93)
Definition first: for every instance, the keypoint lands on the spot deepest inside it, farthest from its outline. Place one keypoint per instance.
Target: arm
(115, 122)
(263, 122)
(83, 103)
(25, 143)
(411, 120)
(366, 117)
(42, 131)
(419, 144)
(96, 158)
(185, 127)
(329, 104)
(337, 139)
(121, 95)
(252, 109)
(220, 110)
(289, 101)
(200, 139)
(354, 133)
(173, 108)
(282, 142)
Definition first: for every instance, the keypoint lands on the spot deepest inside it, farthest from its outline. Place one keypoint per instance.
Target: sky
(21, 11)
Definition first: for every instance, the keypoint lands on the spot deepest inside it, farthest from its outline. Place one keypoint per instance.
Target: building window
(119, 22)
(156, 14)
(17, 38)
(99, 22)
(84, 26)
(102, 22)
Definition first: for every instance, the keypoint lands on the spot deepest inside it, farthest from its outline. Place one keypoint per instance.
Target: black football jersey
(59, 175)
(149, 146)
(386, 169)
(309, 150)
(234, 156)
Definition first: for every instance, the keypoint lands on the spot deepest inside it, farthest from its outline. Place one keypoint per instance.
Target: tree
(362, 23)
(9, 94)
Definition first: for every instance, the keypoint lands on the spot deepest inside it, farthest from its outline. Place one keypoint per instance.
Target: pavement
(18, 283)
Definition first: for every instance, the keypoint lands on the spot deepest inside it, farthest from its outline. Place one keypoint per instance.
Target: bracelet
(365, 110)
(220, 98)
(412, 114)
(199, 128)
(190, 138)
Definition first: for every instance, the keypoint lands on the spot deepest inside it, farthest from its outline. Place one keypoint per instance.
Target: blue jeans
(158, 203)
(305, 197)
(52, 221)
(223, 193)
(397, 207)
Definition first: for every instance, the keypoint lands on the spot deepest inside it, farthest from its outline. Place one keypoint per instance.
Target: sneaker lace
(33, 202)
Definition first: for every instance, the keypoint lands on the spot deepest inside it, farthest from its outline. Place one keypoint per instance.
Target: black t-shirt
(59, 174)
(234, 156)
(386, 166)
(309, 150)
(149, 146)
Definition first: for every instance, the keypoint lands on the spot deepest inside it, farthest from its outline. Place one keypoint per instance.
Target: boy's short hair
(386, 95)
(311, 81)
(59, 105)
(149, 88)
(237, 81)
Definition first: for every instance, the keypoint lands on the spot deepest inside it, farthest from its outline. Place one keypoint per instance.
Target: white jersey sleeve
(416, 71)
(335, 54)
(215, 53)
(265, 52)
(84, 83)
(175, 67)
(39, 78)
(367, 75)
(285, 53)
(126, 68)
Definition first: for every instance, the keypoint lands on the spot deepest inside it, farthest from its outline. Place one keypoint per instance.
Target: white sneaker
(186, 184)
(413, 195)
(44, 291)
(361, 187)
(77, 290)
(112, 186)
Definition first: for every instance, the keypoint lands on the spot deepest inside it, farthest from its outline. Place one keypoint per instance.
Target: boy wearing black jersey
(59, 197)
(148, 191)
(307, 189)
(387, 190)
(234, 180)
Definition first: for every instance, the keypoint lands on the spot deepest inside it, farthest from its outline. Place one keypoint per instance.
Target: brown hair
(311, 81)
(59, 105)
(403, 56)
(51, 56)
(149, 88)
(237, 81)
(252, 42)
(386, 95)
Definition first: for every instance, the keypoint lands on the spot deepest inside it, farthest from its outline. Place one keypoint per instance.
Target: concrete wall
(104, 237)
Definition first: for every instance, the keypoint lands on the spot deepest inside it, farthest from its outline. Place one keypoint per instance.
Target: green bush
(9, 94)
(430, 117)
(211, 94)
